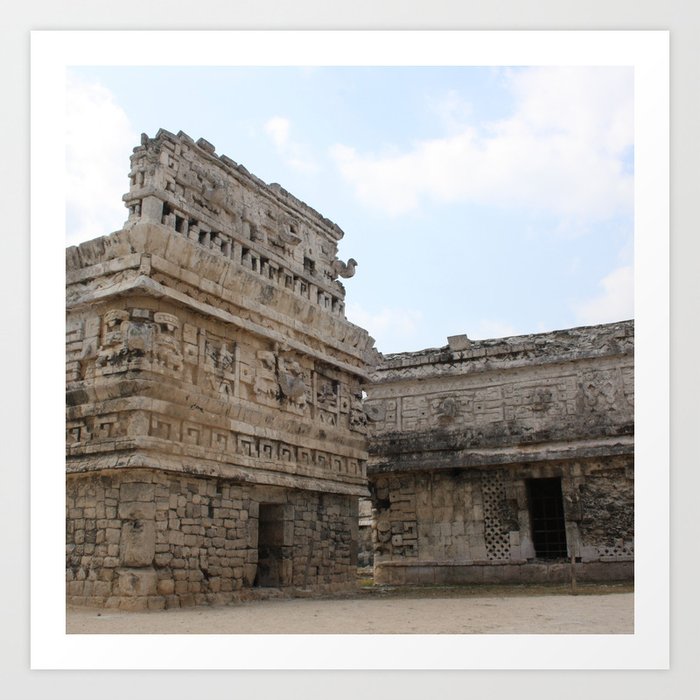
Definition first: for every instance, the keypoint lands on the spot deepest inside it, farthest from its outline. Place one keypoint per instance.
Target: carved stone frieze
(446, 410)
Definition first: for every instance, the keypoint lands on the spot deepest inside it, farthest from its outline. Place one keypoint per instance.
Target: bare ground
(605, 609)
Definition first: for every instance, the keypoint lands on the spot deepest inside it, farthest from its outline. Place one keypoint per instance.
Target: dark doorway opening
(270, 545)
(547, 518)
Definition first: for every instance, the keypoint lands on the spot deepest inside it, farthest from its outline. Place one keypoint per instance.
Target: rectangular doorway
(547, 518)
(270, 545)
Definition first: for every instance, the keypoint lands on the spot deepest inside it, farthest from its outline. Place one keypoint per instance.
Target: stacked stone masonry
(144, 539)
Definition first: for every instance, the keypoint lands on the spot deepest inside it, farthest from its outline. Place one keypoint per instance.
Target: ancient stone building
(501, 460)
(215, 432)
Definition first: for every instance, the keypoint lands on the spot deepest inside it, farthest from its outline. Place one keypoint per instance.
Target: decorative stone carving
(220, 365)
(284, 236)
(266, 385)
(375, 410)
(167, 349)
(345, 270)
(327, 394)
(327, 400)
(447, 410)
(124, 340)
(130, 340)
(600, 391)
(292, 382)
(542, 400)
(358, 417)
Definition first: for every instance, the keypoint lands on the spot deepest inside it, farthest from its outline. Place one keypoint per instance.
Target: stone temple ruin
(218, 436)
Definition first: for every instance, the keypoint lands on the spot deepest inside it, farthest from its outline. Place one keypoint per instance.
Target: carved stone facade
(503, 459)
(215, 437)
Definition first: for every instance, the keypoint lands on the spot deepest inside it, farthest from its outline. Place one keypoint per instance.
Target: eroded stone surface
(203, 543)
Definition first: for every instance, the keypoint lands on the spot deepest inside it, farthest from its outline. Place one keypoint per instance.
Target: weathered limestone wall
(209, 360)
(459, 435)
(139, 539)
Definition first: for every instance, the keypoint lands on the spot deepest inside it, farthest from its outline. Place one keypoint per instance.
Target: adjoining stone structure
(215, 431)
(500, 460)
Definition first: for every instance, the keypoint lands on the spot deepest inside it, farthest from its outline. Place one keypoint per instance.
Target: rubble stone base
(431, 573)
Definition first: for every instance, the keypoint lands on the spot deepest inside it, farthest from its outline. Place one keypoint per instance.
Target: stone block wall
(142, 539)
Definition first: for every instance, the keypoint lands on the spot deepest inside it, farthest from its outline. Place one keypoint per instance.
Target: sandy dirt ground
(406, 613)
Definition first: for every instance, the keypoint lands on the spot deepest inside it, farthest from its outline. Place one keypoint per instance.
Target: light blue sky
(485, 201)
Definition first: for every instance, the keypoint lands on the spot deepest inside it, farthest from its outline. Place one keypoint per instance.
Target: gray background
(679, 16)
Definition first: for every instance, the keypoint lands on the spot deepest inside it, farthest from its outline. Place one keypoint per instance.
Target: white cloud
(296, 155)
(99, 138)
(278, 130)
(493, 329)
(560, 152)
(452, 111)
(389, 327)
(616, 301)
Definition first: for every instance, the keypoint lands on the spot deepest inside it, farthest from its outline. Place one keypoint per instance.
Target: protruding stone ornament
(345, 270)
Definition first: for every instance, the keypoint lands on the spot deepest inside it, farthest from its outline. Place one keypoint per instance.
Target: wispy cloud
(277, 129)
(563, 151)
(614, 303)
(390, 327)
(452, 110)
(296, 155)
(493, 329)
(97, 137)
